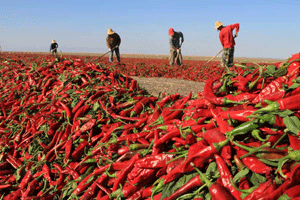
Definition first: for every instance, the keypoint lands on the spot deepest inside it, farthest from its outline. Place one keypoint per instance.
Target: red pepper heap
(74, 129)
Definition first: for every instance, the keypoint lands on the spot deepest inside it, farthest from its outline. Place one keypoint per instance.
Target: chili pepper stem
(255, 134)
(159, 186)
(273, 106)
(203, 177)
(248, 191)
(252, 84)
(279, 140)
(268, 162)
(293, 155)
(251, 150)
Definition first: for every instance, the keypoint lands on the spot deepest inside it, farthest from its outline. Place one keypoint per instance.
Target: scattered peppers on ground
(81, 128)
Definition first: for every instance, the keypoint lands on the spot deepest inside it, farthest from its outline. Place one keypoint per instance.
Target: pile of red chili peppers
(72, 129)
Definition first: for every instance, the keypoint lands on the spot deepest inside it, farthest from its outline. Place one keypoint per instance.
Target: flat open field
(158, 85)
(153, 56)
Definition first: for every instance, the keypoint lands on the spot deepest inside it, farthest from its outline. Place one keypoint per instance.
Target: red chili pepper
(52, 151)
(173, 112)
(253, 163)
(197, 129)
(292, 180)
(191, 184)
(138, 108)
(88, 125)
(32, 186)
(68, 148)
(210, 96)
(166, 99)
(137, 195)
(165, 138)
(226, 176)
(86, 179)
(240, 82)
(263, 189)
(267, 93)
(240, 115)
(122, 176)
(15, 162)
(4, 165)
(78, 105)
(66, 108)
(131, 147)
(293, 69)
(217, 191)
(91, 191)
(199, 159)
(291, 193)
(214, 136)
(123, 105)
(294, 142)
(290, 103)
(126, 192)
(25, 180)
(135, 172)
(77, 153)
(222, 124)
(242, 97)
(80, 111)
(145, 177)
(156, 197)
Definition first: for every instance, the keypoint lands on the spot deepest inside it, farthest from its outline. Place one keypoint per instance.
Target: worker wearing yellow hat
(113, 42)
(175, 47)
(227, 40)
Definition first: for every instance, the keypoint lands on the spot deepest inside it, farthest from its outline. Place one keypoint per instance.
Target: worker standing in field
(227, 40)
(113, 42)
(53, 47)
(176, 40)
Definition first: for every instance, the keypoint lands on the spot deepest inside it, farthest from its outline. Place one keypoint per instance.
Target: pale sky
(268, 28)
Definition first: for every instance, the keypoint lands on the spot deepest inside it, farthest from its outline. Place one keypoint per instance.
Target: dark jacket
(113, 40)
(53, 46)
(175, 40)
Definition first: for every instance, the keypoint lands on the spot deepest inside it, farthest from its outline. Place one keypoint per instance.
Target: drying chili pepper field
(80, 128)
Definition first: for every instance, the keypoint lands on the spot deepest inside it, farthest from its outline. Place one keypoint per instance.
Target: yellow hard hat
(218, 24)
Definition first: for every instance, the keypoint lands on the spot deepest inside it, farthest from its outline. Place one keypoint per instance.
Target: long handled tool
(213, 57)
(107, 52)
(104, 54)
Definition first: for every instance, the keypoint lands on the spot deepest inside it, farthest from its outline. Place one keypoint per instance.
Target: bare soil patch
(156, 86)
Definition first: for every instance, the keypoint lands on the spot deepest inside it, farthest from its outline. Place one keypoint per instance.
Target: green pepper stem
(279, 140)
(280, 164)
(268, 162)
(220, 145)
(159, 186)
(255, 134)
(202, 176)
(274, 106)
(248, 191)
(250, 149)
(243, 128)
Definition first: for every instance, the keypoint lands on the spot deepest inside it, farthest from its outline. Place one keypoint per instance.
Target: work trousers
(175, 57)
(116, 50)
(227, 57)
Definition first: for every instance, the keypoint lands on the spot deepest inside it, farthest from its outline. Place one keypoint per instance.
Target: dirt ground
(155, 86)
